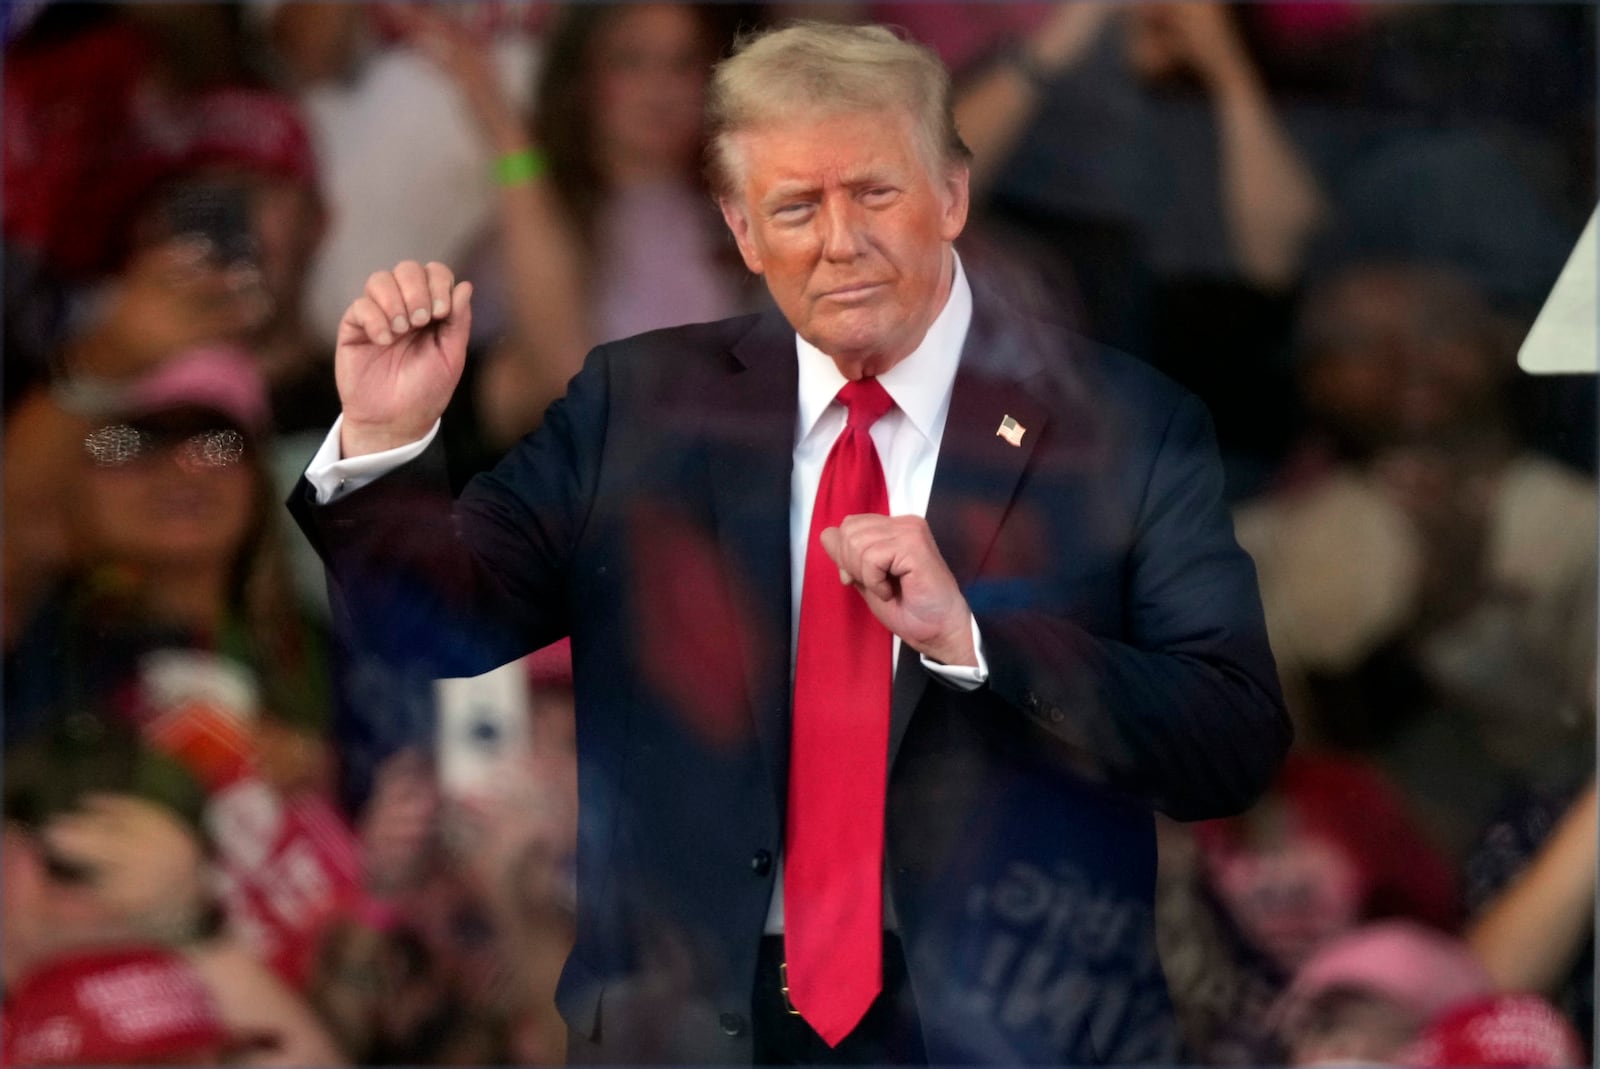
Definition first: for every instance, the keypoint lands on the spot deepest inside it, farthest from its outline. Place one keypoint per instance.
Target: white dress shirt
(907, 438)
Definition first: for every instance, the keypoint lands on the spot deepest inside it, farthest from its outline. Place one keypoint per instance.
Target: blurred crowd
(229, 836)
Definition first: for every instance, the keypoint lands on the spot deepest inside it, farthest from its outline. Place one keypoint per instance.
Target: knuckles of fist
(873, 550)
(895, 564)
(412, 296)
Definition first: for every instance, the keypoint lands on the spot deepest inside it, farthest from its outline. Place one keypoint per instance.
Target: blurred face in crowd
(649, 66)
(1290, 896)
(287, 222)
(1348, 1025)
(259, 233)
(177, 491)
(851, 227)
(23, 888)
(1400, 361)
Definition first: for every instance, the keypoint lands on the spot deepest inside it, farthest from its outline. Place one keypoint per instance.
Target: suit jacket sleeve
(1180, 704)
(457, 588)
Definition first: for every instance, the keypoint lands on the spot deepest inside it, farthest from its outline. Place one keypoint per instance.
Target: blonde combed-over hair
(817, 69)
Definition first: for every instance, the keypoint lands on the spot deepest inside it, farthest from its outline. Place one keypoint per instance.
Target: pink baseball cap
(1420, 968)
(112, 1007)
(220, 378)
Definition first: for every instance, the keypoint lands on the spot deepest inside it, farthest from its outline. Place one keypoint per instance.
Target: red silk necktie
(838, 755)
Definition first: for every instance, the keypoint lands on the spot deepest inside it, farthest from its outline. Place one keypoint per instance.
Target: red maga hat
(112, 1007)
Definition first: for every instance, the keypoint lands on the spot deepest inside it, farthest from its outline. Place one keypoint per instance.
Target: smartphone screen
(483, 733)
(219, 212)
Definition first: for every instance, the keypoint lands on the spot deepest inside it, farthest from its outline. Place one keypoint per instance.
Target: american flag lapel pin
(1011, 431)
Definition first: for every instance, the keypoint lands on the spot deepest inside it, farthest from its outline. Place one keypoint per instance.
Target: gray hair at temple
(813, 69)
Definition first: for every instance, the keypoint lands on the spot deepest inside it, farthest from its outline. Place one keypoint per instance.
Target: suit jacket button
(1056, 716)
(732, 1024)
(761, 862)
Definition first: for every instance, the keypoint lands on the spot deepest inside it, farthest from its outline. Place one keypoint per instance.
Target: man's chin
(854, 345)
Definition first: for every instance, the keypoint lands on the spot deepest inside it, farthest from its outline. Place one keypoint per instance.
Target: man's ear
(738, 221)
(957, 190)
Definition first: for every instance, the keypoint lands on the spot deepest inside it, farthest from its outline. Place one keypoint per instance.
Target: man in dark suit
(857, 784)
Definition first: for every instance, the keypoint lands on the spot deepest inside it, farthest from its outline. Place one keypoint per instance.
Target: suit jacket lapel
(978, 471)
(750, 423)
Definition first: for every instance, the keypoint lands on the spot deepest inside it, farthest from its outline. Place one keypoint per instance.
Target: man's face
(851, 230)
(1403, 366)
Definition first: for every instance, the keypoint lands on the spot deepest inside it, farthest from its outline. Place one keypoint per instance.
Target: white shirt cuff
(962, 677)
(333, 476)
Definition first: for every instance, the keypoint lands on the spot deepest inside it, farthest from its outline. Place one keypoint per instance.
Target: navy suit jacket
(649, 518)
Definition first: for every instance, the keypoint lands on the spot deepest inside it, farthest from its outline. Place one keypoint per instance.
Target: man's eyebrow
(784, 191)
(869, 176)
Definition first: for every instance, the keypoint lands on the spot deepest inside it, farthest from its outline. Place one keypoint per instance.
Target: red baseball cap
(112, 1007)
(552, 665)
(254, 130)
(1503, 1030)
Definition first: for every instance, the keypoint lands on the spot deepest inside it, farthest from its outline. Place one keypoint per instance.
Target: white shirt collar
(920, 384)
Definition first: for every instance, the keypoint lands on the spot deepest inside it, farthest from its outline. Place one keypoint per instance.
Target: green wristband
(519, 168)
